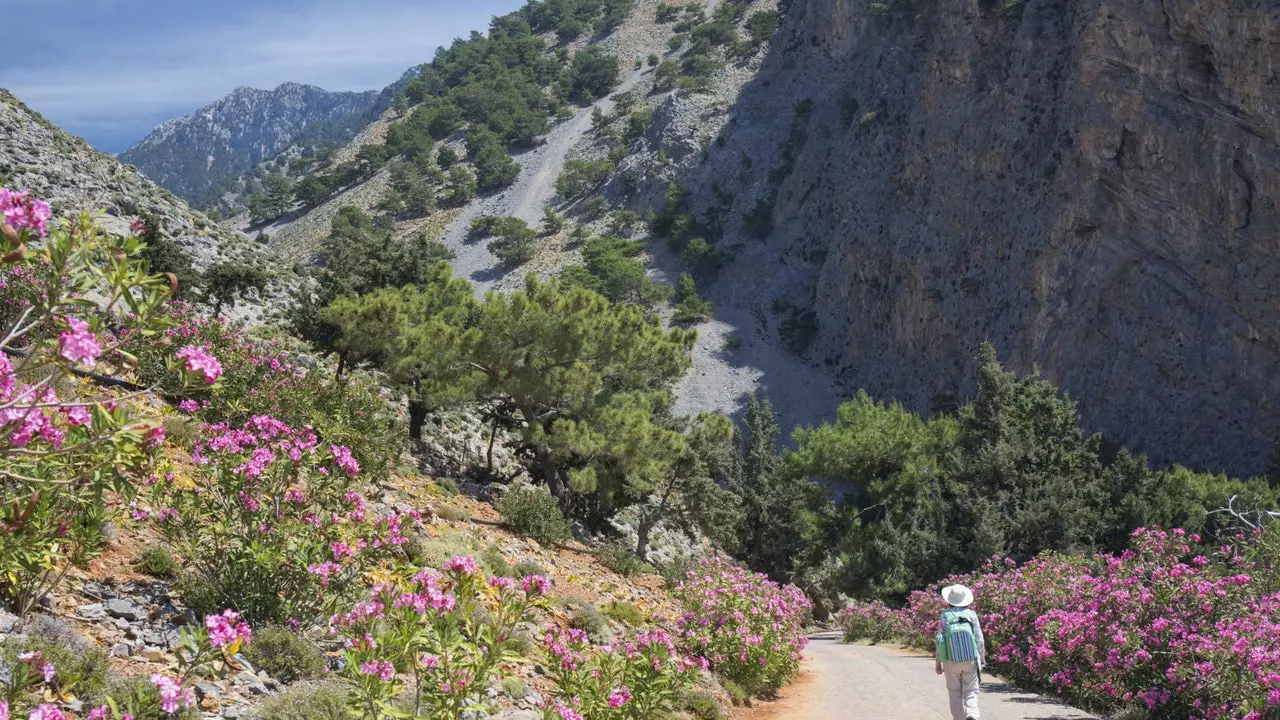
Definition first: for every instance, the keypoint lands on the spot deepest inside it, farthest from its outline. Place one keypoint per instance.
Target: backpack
(957, 642)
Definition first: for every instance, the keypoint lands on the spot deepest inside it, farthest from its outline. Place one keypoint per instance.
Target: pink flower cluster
(172, 694)
(226, 628)
(1177, 630)
(29, 414)
(21, 212)
(78, 344)
(200, 361)
(750, 628)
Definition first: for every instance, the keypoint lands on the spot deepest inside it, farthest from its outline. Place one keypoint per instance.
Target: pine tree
(555, 356)
(690, 307)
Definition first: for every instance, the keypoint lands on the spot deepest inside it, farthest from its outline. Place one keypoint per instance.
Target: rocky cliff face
(36, 155)
(1089, 185)
(192, 155)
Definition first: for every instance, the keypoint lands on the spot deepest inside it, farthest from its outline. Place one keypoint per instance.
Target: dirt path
(853, 682)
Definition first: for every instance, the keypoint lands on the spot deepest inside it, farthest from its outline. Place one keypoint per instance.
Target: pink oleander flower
(172, 694)
(536, 585)
(24, 213)
(502, 583)
(44, 712)
(4, 710)
(188, 406)
(619, 697)
(384, 670)
(226, 628)
(460, 563)
(200, 361)
(78, 344)
(99, 713)
(343, 458)
(567, 713)
(154, 437)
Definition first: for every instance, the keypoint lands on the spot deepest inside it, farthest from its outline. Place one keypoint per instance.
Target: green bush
(586, 617)
(514, 689)
(494, 562)
(592, 74)
(621, 560)
(308, 701)
(690, 307)
(625, 613)
(515, 241)
(452, 514)
(580, 176)
(533, 513)
(701, 705)
(737, 695)
(525, 568)
(284, 655)
(157, 561)
(81, 666)
(433, 552)
(140, 694)
(552, 222)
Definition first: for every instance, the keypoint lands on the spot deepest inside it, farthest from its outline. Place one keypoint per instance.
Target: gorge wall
(1089, 185)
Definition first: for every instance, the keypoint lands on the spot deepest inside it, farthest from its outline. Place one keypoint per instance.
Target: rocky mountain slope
(1087, 185)
(36, 155)
(193, 155)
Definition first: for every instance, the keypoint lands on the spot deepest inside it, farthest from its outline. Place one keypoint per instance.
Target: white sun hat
(957, 595)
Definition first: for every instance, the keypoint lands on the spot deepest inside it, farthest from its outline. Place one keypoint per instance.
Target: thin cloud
(102, 84)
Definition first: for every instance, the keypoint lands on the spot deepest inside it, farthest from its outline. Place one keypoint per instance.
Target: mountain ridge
(193, 154)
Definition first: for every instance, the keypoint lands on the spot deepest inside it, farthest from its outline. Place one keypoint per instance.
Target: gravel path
(852, 682)
(533, 189)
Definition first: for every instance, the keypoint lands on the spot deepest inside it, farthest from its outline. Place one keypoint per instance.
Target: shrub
(495, 563)
(642, 680)
(579, 176)
(593, 73)
(653, 60)
(157, 561)
(724, 606)
(525, 568)
(533, 513)
(61, 452)
(625, 613)
(285, 655)
(701, 705)
(690, 307)
(452, 514)
(872, 621)
(434, 552)
(1178, 628)
(621, 560)
(308, 701)
(80, 667)
(456, 625)
(514, 689)
(264, 522)
(515, 242)
(586, 617)
(552, 222)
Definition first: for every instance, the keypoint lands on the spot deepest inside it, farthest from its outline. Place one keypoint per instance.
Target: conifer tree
(555, 355)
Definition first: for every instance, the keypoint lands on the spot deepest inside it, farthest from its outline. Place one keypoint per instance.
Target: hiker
(962, 652)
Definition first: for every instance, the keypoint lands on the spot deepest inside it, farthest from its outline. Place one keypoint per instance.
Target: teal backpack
(957, 642)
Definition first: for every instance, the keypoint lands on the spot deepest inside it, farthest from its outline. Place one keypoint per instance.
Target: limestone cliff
(1090, 185)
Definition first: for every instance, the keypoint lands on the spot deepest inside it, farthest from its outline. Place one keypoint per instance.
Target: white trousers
(962, 686)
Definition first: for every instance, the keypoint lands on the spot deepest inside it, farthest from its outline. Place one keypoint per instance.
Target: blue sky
(110, 70)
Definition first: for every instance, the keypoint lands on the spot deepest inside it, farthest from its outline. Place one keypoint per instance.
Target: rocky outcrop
(36, 155)
(1089, 185)
(194, 154)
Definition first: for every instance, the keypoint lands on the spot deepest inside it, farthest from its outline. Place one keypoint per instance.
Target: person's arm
(942, 627)
(982, 641)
